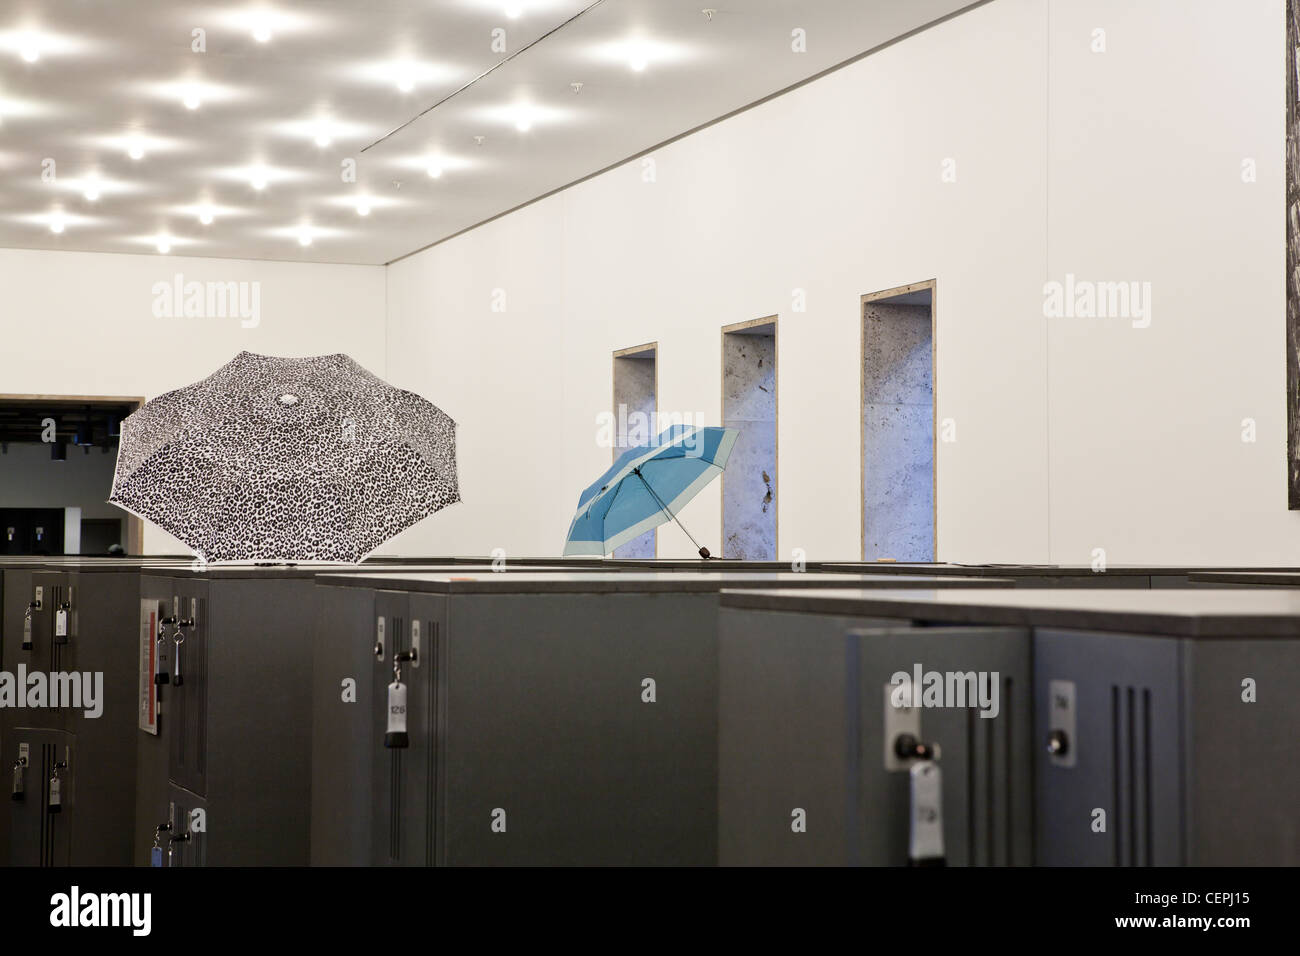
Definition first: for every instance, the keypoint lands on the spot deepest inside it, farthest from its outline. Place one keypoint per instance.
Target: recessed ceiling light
(404, 77)
(257, 177)
(163, 244)
(523, 119)
(90, 187)
(514, 10)
(56, 224)
(29, 47)
(434, 169)
(191, 97)
(135, 147)
(260, 27)
(205, 214)
(638, 55)
(304, 236)
(324, 134)
(363, 207)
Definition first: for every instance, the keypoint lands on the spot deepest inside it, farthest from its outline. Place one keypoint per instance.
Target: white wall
(84, 324)
(833, 189)
(1072, 434)
(30, 478)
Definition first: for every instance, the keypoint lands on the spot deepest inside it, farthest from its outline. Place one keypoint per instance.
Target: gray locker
(1153, 732)
(344, 738)
(552, 719)
(83, 630)
(807, 771)
(42, 813)
(234, 735)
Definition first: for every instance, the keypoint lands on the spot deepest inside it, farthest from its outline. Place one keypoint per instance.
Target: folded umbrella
(286, 460)
(647, 486)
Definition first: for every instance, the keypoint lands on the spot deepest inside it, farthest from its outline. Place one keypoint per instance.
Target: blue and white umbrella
(647, 486)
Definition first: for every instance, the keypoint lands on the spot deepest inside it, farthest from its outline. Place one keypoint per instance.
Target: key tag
(61, 626)
(19, 788)
(155, 853)
(178, 639)
(56, 793)
(396, 735)
(160, 675)
(925, 841)
(27, 629)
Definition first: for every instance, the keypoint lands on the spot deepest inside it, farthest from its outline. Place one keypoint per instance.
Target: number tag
(396, 735)
(56, 795)
(27, 633)
(155, 856)
(60, 623)
(925, 845)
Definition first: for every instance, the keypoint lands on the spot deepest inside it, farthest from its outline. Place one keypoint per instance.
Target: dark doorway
(100, 534)
(35, 531)
(58, 454)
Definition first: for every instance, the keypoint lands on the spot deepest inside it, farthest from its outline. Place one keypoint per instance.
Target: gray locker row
(227, 739)
(1160, 729)
(522, 702)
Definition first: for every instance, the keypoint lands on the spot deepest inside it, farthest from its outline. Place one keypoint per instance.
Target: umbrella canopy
(286, 459)
(647, 486)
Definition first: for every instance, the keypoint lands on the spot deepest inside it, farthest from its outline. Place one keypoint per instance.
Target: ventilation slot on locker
(1130, 714)
(430, 654)
(395, 766)
(47, 818)
(990, 807)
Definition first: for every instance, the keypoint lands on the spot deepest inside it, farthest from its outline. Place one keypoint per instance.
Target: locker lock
(1058, 743)
(908, 747)
(403, 657)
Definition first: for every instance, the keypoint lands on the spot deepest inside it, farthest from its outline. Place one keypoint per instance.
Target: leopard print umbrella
(286, 460)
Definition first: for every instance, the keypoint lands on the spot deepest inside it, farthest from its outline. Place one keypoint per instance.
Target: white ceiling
(112, 73)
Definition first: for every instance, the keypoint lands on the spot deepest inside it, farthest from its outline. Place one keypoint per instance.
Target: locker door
(1109, 705)
(984, 761)
(187, 691)
(391, 800)
(187, 843)
(38, 629)
(419, 776)
(782, 740)
(41, 823)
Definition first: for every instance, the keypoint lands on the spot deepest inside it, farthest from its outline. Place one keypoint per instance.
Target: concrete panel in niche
(896, 354)
(749, 486)
(1292, 256)
(898, 482)
(897, 432)
(635, 403)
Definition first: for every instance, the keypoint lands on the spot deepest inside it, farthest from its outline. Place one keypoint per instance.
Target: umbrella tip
(704, 553)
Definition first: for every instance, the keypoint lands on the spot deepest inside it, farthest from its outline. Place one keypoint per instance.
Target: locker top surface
(226, 572)
(1274, 577)
(615, 582)
(1032, 570)
(1198, 613)
(82, 563)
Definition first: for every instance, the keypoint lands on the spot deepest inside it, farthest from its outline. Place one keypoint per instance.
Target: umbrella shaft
(664, 508)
